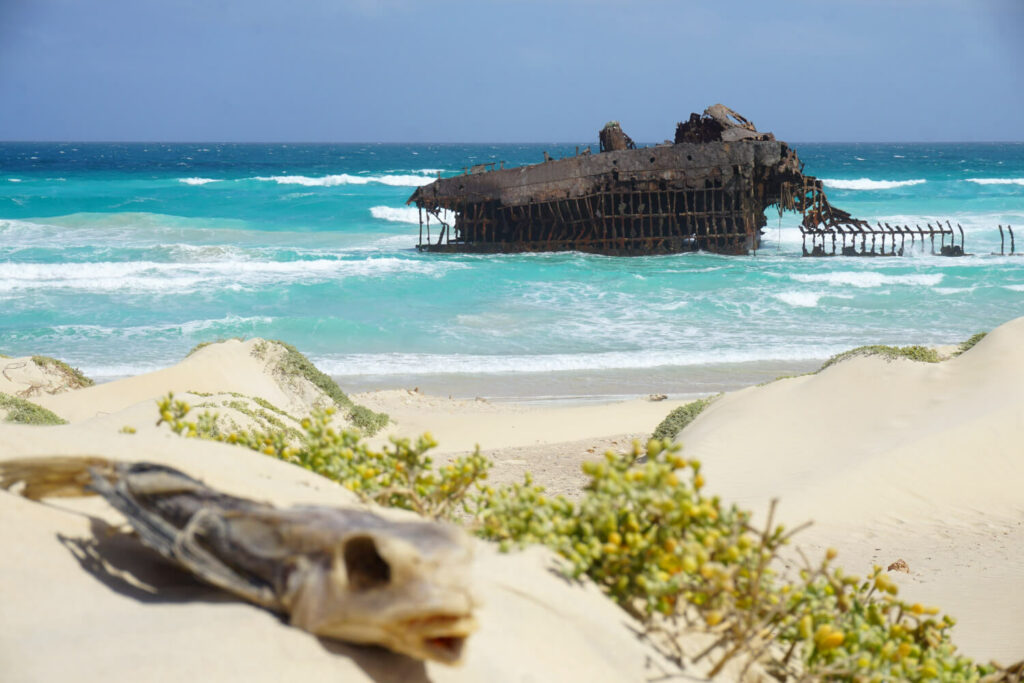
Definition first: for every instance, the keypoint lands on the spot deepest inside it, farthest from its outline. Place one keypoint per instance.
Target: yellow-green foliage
(73, 376)
(398, 475)
(922, 354)
(651, 537)
(294, 363)
(658, 545)
(966, 346)
(25, 412)
(202, 345)
(675, 421)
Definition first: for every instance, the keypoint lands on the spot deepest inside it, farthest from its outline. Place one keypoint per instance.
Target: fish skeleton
(344, 573)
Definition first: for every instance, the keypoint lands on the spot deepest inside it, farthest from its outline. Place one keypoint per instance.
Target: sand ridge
(891, 459)
(895, 459)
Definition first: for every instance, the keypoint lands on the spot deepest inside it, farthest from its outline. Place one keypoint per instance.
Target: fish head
(406, 586)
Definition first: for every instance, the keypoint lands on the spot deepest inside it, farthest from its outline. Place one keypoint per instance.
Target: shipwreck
(706, 190)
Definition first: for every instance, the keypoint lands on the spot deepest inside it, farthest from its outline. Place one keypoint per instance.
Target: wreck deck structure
(708, 190)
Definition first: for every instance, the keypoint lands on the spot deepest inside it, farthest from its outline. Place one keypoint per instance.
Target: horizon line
(491, 142)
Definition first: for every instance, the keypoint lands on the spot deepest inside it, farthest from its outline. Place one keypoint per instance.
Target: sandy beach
(891, 459)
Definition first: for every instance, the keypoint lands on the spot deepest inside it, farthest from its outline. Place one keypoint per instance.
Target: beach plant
(921, 354)
(967, 345)
(679, 559)
(73, 376)
(203, 345)
(399, 474)
(646, 531)
(20, 411)
(294, 364)
(679, 418)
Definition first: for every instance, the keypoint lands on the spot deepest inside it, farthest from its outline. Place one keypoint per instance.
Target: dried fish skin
(345, 573)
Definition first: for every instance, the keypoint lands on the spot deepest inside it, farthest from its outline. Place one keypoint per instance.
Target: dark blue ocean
(120, 257)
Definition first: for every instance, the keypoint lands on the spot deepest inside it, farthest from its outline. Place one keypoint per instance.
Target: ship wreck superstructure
(708, 190)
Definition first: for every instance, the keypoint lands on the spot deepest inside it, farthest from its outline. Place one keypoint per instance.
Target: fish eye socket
(364, 566)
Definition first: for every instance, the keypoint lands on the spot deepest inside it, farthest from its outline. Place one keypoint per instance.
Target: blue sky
(523, 70)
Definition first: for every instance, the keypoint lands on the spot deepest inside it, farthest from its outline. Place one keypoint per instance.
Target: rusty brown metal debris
(706, 191)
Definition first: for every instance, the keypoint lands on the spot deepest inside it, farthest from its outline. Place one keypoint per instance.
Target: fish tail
(54, 477)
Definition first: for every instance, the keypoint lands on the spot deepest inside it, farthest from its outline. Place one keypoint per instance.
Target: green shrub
(966, 346)
(657, 544)
(73, 376)
(675, 421)
(922, 354)
(202, 345)
(398, 475)
(295, 364)
(25, 412)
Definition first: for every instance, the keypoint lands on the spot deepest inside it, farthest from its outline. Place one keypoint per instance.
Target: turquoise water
(119, 258)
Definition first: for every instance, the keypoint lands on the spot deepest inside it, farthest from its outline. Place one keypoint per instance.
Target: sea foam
(868, 184)
(996, 181)
(149, 276)
(438, 364)
(197, 181)
(406, 214)
(346, 179)
(868, 278)
(799, 299)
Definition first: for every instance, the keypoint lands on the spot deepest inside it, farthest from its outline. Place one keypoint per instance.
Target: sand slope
(27, 378)
(895, 459)
(66, 619)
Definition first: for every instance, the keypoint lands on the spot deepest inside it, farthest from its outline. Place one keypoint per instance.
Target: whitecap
(406, 214)
(996, 181)
(197, 181)
(868, 183)
(14, 180)
(346, 179)
(865, 279)
(426, 364)
(151, 276)
(799, 299)
(1014, 288)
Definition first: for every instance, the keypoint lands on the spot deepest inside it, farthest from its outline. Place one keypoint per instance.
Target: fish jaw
(383, 590)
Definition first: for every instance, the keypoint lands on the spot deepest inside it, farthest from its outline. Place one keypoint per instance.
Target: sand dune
(895, 459)
(66, 618)
(891, 460)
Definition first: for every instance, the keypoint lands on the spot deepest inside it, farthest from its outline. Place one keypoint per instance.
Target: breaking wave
(868, 184)
(405, 214)
(864, 279)
(799, 299)
(431, 364)
(197, 181)
(996, 181)
(235, 275)
(346, 179)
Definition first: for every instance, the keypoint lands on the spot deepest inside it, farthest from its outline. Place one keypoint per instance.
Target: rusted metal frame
(961, 229)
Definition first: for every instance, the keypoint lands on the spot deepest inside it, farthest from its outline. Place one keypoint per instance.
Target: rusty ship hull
(709, 191)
